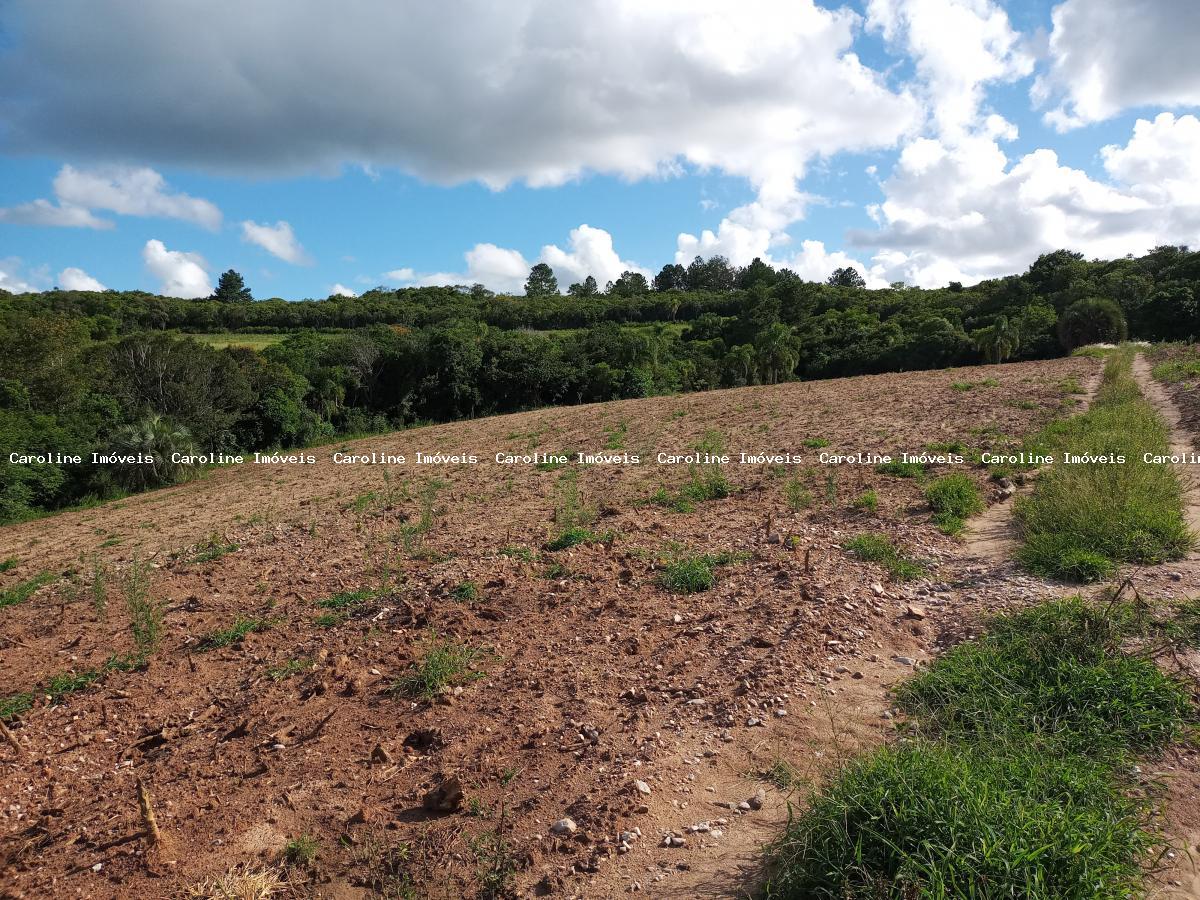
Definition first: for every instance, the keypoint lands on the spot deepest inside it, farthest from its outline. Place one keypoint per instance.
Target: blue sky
(920, 140)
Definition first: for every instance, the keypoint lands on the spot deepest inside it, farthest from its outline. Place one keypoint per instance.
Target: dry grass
(242, 883)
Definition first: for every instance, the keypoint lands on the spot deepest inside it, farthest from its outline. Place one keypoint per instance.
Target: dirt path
(1182, 779)
(1181, 440)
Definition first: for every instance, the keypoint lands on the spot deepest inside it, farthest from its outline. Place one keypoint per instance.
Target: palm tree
(777, 356)
(999, 341)
(154, 440)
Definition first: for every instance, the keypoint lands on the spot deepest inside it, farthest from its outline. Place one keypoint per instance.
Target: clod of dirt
(446, 797)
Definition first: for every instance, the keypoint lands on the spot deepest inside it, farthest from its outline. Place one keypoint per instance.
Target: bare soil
(593, 675)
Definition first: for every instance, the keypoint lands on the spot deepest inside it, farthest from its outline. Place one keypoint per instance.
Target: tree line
(118, 372)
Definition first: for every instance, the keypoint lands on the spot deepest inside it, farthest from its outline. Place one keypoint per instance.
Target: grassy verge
(1014, 776)
(1086, 518)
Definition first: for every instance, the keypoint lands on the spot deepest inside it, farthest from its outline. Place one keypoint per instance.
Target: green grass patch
(953, 499)
(235, 632)
(692, 574)
(21, 592)
(878, 548)
(572, 537)
(9, 564)
(467, 592)
(1085, 519)
(212, 547)
(289, 669)
(815, 443)
(444, 665)
(341, 606)
(901, 469)
(930, 821)
(797, 494)
(1015, 778)
(1056, 675)
(15, 705)
(867, 501)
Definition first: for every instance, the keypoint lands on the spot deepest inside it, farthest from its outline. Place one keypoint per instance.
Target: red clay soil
(592, 676)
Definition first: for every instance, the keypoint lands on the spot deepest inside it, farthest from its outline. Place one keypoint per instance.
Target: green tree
(588, 288)
(231, 288)
(541, 282)
(149, 446)
(999, 341)
(672, 277)
(847, 277)
(1091, 321)
(776, 353)
(630, 284)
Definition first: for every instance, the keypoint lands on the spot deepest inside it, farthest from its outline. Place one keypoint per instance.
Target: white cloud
(73, 279)
(400, 276)
(43, 212)
(1119, 54)
(814, 263)
(12, 279)
(1161, 162)
(279, 240)
(533, 90)
(503, 269)
(122, 190)
(591, 253)
(966, 212)
(958, 46)
(179, 274)
(132, 192)
(340, 290)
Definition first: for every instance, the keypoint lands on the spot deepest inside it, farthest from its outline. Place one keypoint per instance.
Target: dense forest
(117, 372)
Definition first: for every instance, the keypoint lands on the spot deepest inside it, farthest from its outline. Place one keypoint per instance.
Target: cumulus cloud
(814, 263)
(1119, 54)
(589, 251)
(340, 290)
(400, 276)
(132, 191)
(966, 212)
(1161, 162)
(43, 212)
(958, 46)
(179, 274)
(532, 90)
(279, 240)
(12, 279)
(123, 190)
(73, 279)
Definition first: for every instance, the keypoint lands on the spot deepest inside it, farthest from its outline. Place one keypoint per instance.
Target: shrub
(1091, 321)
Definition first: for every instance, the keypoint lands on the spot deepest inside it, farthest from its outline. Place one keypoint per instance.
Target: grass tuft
(21, 592)
(444, 665)
(235, 632)
(878, 548)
